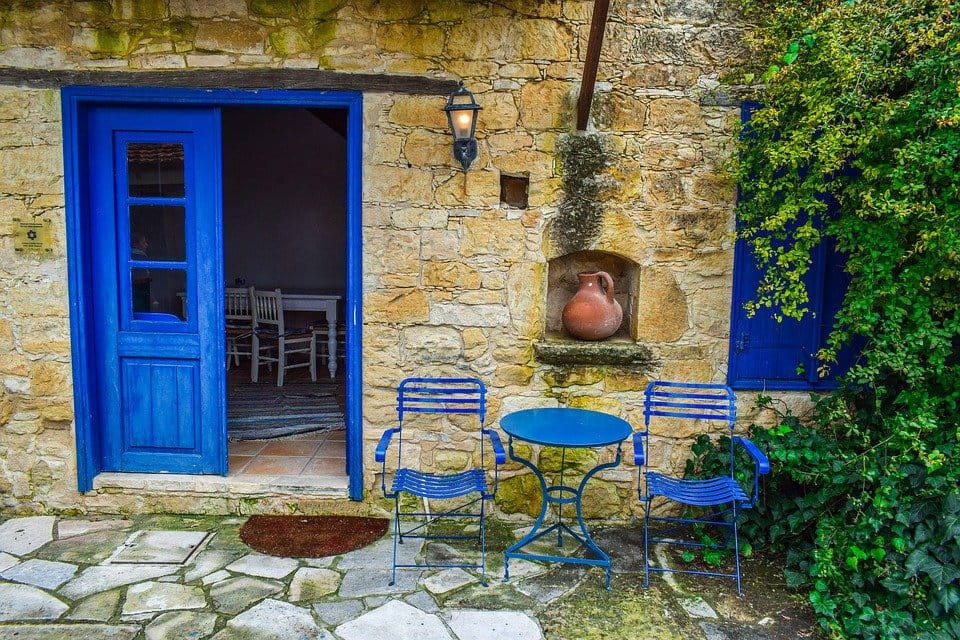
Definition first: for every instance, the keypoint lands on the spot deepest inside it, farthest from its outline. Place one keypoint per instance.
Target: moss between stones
(628, 611)
(553, 460)
(519, 494)
(288, 41)
(272, 8)
(323, 32)
(147, 9)
(584, 158)
(310, 9)
(569, 377)
(172, 31)
(112, 42)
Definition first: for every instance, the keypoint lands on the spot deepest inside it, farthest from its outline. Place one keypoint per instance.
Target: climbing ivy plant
(861, 103)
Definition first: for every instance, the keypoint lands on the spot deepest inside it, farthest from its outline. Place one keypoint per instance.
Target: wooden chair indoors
(269, 333)
(238, 313)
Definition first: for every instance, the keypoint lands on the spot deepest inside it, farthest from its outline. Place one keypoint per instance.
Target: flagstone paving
(190, 577)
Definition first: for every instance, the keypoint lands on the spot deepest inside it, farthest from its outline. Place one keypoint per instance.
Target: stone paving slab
(236, 594)
(99, 578)
(181, 625)
(23, 602)
(208, 561)
(448, 580)
(395, 620)
(338, 612)
(70, 632)
(483, 625)
(159, 547)
(547, 587)
(45, 574)
(216, 576)
(274, 620)
(7, 561)
(99, 607)
(312, 584)
(360, 583)
(263, 566)
(20, 536)
(380, 554)
(86, 548)
(70, 528)
(156, 597)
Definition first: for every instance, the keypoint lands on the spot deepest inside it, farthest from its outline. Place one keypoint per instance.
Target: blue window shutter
(767, 354)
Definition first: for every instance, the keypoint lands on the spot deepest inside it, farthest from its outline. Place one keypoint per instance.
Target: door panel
(156, 257)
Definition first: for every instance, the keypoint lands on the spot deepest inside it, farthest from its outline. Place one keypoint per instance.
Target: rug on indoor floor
(311, 536)
(258, 411)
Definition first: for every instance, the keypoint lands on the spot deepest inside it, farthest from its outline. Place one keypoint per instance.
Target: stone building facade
(454, 280)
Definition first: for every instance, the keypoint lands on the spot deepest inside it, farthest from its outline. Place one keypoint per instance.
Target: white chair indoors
(238, 313)
(269, 333)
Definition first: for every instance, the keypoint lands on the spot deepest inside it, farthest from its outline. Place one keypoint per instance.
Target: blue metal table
(564, 428)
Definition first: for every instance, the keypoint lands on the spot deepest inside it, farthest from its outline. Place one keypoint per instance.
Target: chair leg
(646, 544)
(313, 359)
(736, 548)
(281, 361)
(396, 538)
(254, 358)
(483, 543)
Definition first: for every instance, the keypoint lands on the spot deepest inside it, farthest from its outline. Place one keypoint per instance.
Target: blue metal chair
(722, 496)
(441, 396)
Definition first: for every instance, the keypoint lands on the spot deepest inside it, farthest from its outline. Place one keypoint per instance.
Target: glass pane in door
(159, 291)
(157, 233)
(155, 169)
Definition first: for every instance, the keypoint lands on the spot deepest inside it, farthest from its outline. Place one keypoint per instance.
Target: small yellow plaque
(32, 236)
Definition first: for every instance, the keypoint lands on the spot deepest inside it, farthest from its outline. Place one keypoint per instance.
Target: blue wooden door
(156, 260)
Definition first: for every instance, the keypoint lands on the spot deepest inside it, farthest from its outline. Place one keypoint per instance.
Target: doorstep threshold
(222, 486)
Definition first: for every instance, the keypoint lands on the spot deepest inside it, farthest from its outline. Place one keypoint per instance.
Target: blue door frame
(76, 102)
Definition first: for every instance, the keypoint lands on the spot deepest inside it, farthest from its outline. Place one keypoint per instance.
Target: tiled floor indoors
(309, 454)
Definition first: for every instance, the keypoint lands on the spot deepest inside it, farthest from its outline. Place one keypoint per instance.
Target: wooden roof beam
(597, 24)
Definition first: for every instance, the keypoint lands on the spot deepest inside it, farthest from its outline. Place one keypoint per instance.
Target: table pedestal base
(559, 495)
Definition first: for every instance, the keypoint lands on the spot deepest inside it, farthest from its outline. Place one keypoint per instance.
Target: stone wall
(454, 282)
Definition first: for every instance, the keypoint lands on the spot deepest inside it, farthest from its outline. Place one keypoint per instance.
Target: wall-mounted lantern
(462, 116)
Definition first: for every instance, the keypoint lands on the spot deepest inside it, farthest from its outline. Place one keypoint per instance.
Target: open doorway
(150, 386)
(285, 229)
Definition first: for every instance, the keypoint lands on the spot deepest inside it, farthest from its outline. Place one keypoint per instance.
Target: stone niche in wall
(558, 346)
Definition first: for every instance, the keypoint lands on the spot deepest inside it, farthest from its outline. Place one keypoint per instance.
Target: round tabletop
(566, 427)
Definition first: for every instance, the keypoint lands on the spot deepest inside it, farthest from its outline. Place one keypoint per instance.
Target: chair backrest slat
(701, 401)
(268, 308)
(237, 304)
(442, 395)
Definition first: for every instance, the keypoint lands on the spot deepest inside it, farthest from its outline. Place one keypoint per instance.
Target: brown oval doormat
(311, 536)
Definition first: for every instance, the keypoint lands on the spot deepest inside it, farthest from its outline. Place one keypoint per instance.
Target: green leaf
(922, 562)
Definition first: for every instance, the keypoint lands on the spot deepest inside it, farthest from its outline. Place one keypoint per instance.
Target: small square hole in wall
(514, 191)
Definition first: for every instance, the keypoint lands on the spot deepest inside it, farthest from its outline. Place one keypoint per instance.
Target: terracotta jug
(592, 313)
